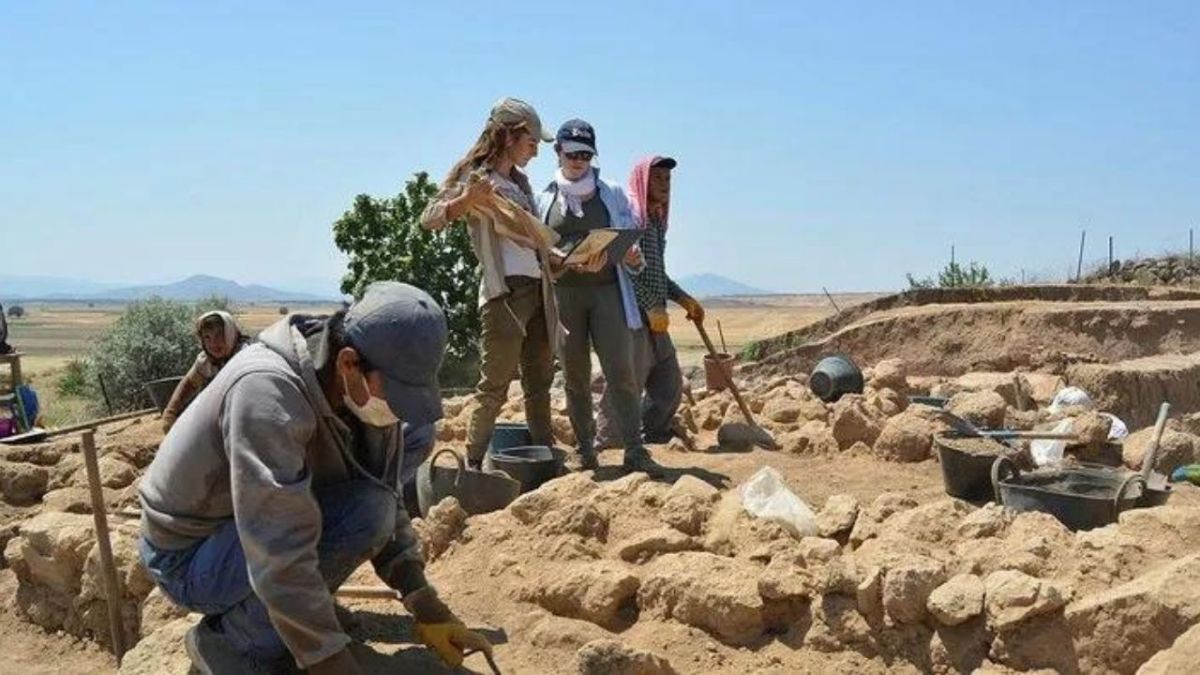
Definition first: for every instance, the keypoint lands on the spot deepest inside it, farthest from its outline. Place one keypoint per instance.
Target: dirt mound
(604, 572)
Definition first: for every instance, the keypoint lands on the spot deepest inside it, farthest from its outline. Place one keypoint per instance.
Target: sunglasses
(581, 156)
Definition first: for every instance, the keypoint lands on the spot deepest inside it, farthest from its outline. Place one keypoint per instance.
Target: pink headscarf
(639, 191)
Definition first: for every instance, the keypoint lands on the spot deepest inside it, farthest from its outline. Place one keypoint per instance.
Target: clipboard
(611, 240)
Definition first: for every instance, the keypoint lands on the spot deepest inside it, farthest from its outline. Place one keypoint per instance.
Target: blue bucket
(834, 377)
(510, 435)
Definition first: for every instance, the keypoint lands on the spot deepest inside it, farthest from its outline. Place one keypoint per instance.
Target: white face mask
(376, 412)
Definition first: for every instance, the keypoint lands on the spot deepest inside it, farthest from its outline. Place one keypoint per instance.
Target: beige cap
(514, 111)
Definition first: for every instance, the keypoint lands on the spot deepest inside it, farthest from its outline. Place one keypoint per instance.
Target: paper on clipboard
(615, 242)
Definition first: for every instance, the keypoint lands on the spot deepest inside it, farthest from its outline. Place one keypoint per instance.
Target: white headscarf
(573, 192)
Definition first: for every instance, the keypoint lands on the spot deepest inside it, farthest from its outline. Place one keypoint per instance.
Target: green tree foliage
(153, 339)
(384, 241)
(953, 275)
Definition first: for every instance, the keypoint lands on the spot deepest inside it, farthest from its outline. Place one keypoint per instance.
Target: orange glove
(694, 311)
(658, 319)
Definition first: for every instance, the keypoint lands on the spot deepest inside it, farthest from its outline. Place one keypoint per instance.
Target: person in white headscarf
(220, 338)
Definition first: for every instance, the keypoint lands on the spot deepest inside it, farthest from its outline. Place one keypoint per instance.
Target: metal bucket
(1081, 498)
(835, 376)
(510, 435)
(967, 475)
(718, 371)
(476, 491)
(529, 465)
(161, 390)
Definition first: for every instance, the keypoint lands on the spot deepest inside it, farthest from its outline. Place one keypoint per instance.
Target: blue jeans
(357, 520)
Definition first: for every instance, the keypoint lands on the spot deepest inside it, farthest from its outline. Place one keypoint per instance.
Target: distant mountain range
(715, 285)
(202, 286)
(192, 288)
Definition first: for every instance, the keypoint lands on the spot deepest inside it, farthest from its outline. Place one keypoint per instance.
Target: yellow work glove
(451, 640)
(658, 319)
(694, 311)
(440, 630)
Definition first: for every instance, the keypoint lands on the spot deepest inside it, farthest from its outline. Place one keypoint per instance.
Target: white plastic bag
(1071, 397)
(766, 496)
(1045, 451)
(1118, 430)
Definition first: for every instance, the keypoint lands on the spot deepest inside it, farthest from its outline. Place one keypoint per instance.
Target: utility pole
(1110, 254)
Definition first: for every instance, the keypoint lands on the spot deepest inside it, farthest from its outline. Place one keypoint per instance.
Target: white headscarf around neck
(573, 192)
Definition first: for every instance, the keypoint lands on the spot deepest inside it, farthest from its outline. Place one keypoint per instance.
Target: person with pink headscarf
(656, 364)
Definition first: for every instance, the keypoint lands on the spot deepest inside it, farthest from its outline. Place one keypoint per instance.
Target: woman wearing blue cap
(597, 305)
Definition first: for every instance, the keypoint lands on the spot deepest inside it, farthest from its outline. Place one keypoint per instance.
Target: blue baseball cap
(401, 331)
(576, 136)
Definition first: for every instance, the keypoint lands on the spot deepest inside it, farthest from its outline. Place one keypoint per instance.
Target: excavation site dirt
(859, 560)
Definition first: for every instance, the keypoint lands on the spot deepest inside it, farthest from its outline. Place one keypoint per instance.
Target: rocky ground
(608, 573)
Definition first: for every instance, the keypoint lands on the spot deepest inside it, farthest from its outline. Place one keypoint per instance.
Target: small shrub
(74, 381)
(283, 311)
(16, 312)
(953, 275)
(154, 338)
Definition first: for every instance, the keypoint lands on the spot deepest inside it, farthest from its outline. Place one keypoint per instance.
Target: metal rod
(1079, 267)
(1191, 246)
(90, 424)
(835, 307)
(724, 347)
(104, 393)
(112, 585)
(1110, 254)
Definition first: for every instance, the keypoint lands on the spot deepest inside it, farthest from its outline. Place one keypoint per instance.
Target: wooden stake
(112, 585)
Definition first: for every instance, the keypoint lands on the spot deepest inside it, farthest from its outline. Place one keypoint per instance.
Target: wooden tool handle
(737, 395)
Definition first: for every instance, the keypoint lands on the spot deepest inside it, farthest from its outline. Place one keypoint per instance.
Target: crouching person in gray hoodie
(282, 477)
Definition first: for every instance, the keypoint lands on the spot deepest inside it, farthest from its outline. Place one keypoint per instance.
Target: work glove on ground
(658, 319)
(440, 630)
(694, 311)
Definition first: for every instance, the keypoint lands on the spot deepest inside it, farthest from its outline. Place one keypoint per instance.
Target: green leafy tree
(385, 241)
(153, 339)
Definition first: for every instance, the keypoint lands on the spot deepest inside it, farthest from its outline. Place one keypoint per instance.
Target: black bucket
(1081, 498)
(161, 391)
(965, 474)
(529, 465)
(510, 435)
(476, 491)
(835, 376)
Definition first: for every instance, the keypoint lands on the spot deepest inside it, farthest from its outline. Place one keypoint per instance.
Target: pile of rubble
(50, 545)
(592, 571)
(1172, 270)
(637, 576)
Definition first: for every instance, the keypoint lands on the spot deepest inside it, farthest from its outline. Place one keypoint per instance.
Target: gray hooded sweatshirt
(251, 448)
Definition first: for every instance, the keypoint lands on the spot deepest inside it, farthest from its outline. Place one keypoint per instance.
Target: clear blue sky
(818, 145)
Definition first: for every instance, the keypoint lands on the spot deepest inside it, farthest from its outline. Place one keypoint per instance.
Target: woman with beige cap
(516, 297)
